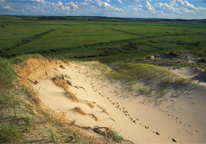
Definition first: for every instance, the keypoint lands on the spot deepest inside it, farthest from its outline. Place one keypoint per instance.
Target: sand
(178, 119)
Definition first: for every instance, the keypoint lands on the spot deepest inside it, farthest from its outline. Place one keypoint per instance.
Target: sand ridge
(135, 118)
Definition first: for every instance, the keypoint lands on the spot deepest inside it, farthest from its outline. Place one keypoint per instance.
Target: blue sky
(187, 9)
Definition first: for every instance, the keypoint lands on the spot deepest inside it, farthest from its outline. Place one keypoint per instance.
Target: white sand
(182, 118)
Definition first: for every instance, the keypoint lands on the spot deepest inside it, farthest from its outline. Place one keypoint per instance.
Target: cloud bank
(115, 8)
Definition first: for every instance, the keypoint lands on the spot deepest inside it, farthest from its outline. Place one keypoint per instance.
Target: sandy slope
(179, 119)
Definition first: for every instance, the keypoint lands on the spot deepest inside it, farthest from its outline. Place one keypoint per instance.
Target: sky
(171, 9)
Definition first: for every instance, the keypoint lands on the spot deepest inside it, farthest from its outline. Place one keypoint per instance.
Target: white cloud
(173, 9)
(42, 1)
(67, 8)
(72, 5)
(166, 8)
(137, 8)
(189, 6)
(185, 4)
(132, 0)
(99, 3)
(145, 8)
(120, 1)
(148, 7)
(39, 0)
(200, 9)
(7, 7)
(180, 2)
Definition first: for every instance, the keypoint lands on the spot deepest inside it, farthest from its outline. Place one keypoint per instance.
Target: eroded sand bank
(180, 118)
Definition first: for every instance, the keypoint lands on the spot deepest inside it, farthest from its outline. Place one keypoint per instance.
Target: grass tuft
(105, 111)
(60, 82)
(109, 133)
(71, 96)
(79, 110)
(90, 105)
(94, 117)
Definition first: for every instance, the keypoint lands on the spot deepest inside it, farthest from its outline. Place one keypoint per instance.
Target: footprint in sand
(117, 106)
(156, 133)
(179, 122)
(188, 125)
(147, 127)
(101, 94)
(125, 111)
(174, 140)
(127, 114)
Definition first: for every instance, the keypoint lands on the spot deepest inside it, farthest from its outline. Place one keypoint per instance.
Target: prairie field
(104, 39)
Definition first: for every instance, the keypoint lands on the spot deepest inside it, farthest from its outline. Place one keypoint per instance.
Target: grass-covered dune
(24, 119)
(86, 93)
(146, 73)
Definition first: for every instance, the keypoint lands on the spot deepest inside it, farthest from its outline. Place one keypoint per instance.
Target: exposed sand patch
(180, 118)
(191, 73)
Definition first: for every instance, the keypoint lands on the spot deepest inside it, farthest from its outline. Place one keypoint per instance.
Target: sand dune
(179, 118)
(191, 73)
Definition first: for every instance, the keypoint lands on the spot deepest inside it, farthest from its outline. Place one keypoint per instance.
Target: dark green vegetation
(97, 38)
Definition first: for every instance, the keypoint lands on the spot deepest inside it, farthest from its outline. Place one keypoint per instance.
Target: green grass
(104, 39)
(146, 73)
(9, 106)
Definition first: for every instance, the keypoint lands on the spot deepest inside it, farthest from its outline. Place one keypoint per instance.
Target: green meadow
(96, 38)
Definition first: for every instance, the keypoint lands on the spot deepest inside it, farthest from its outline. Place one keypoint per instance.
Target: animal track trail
(126, 113)
(178, 121)
(117, 105)
(92, 84)
(171, 115)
